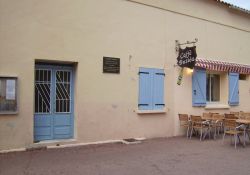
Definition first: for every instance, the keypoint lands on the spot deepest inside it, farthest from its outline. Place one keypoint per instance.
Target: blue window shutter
(158, 89)
(233, 89)
(145, 89)
(199, 87)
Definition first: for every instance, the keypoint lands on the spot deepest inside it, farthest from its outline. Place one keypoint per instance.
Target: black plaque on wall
(111, 65)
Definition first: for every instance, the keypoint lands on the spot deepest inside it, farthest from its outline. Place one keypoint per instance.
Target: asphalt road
(172, 156)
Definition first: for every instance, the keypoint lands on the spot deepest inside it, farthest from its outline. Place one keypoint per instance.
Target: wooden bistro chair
(246, 127)
(185, 122)
(197, 124)
(217, 123)
(231, 128)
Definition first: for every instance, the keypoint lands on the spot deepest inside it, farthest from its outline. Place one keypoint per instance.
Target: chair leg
(188, 132)
(192, 128)
(201, 135)
(215, 130)
(221, 128)
(248, 136)
(223, 137)
(209, 131)
(244, 135)
(235, 140)
(218, 131)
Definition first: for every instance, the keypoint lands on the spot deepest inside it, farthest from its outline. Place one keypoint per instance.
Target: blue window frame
(151, 89)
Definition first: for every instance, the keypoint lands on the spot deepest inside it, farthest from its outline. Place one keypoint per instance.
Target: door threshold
(55, 142)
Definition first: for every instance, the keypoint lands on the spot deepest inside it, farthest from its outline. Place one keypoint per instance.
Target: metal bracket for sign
(178, 44)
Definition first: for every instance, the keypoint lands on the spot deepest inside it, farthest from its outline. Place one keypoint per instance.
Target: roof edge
(232, 6)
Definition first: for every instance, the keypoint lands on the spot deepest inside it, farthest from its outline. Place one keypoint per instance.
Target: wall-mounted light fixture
(190, 71)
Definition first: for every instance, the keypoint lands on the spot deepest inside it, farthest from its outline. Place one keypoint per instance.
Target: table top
(243, 121)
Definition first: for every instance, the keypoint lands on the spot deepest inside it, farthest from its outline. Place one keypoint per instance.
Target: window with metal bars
(63, 98)
(42, 91)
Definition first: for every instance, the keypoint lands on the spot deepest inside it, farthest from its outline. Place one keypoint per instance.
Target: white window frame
(210, 88)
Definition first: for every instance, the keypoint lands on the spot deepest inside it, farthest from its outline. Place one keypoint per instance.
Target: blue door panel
(62, 130)
(43, 133)
(42, 128)
(54, 125)
(39, 138)
(62, 120)
(42, 121)
(63, 136)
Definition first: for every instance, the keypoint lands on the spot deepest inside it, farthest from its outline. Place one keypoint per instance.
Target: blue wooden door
(54, 107)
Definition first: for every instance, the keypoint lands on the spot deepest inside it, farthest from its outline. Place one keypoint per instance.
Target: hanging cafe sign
(186, 57)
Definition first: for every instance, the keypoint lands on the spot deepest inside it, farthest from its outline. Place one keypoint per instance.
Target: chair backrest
(213, 113)
(183, 117)
(247, 117)
(236, 114)
(246, 114)
(241, 113)
(218, 117)
(230, 116)
(196, 118)
(230, 124)
(206, 115)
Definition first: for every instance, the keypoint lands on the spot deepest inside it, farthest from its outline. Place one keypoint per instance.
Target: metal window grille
(63, 97)
(42, 91)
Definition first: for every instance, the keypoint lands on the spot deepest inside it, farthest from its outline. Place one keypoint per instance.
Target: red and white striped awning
(222, 66)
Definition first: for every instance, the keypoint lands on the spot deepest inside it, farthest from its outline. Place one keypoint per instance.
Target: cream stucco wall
(83, 32)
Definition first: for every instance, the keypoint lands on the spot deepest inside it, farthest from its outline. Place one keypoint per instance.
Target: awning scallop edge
(222, 66)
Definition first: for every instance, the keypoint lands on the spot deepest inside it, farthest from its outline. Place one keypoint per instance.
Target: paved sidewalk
(172, 156)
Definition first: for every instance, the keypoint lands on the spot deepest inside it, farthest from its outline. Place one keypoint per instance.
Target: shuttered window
(200, 87)
(151, 89)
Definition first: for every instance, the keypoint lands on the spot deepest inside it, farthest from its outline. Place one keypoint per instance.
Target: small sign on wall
(8, 95)
(111, 65)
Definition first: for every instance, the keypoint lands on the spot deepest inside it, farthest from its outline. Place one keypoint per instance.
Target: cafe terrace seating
(235, 124)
